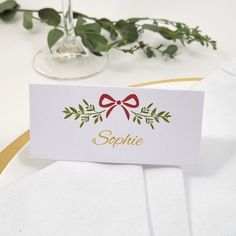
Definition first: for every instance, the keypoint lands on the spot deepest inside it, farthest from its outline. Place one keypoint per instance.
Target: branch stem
(139, 114)
(94, 113)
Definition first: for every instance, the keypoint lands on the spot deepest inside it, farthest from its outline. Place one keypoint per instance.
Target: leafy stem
(84, 113)
(124, 34)
(150, 115)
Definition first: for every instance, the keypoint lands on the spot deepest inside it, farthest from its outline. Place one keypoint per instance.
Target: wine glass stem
(68, 19)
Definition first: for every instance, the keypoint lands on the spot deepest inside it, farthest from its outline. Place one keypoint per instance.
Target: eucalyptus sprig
(150, 115)
(84, 112)
(101, 34)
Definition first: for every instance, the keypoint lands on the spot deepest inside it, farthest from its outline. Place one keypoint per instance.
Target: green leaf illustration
(81, 109)
(150, 116)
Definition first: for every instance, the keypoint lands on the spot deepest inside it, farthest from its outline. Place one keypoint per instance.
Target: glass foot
(66, 65)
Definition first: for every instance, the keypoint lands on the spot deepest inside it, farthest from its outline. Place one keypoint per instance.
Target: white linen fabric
(166, 201)
(72, 198)
(211, 188)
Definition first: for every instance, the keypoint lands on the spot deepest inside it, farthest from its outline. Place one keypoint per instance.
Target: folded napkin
(212, 187)
(166, 201)
(72, 198)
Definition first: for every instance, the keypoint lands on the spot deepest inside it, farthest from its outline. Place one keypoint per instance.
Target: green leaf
(165, 119)
(100, 117)
(86, 103)
(153, 112)
(149, 52)
(136, 19)
(109, 26)
(77, 14)
(95, 42)
(128, 31)
(161, 113)
(151, 125)
(106, 24)
(113, 35)
(163, 31)
(27, 20)
(80, 21)
(53, 36)
(73, 109)
(170, 50)
(93, 28)
(81, 109)
(81, 124)
(67, 116)
(156, 119)
(7, 5)
(77, 117)
(96, 121)
(8, 10)
(149, 105)
(50, 16)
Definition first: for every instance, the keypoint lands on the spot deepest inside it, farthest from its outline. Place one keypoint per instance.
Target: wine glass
(69, 58)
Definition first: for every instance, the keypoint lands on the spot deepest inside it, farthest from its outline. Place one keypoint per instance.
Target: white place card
(116, 125)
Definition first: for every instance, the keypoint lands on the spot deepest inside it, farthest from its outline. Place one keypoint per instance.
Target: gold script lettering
(106, 137)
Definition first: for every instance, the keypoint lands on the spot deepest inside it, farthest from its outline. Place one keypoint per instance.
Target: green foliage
(123, 34)
(128, 31)
(163, 31)
(8, 10)
(27, 20)
(84, 113)
(50, 16)
(7, 5)
(91, 37)
(53, 36)
(170, 50)
(150, 115)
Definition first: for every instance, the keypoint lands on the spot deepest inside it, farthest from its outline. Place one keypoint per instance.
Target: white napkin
(212, 187)
(166, 201)
(72, 198)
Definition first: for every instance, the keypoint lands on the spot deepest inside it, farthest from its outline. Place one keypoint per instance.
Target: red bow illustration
(113, 103)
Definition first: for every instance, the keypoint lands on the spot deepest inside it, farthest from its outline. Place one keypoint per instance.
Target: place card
(115, 125)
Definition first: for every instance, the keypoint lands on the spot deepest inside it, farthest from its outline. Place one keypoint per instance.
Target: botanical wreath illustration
(87, 112)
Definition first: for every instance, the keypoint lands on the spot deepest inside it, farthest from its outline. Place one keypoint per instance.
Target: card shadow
(215, 153)
(25, 160)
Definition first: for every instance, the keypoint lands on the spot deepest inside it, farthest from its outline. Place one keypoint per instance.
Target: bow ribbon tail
(126, 112)
(110, 110)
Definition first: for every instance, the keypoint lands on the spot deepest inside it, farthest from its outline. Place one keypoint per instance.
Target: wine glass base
(68, 68)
